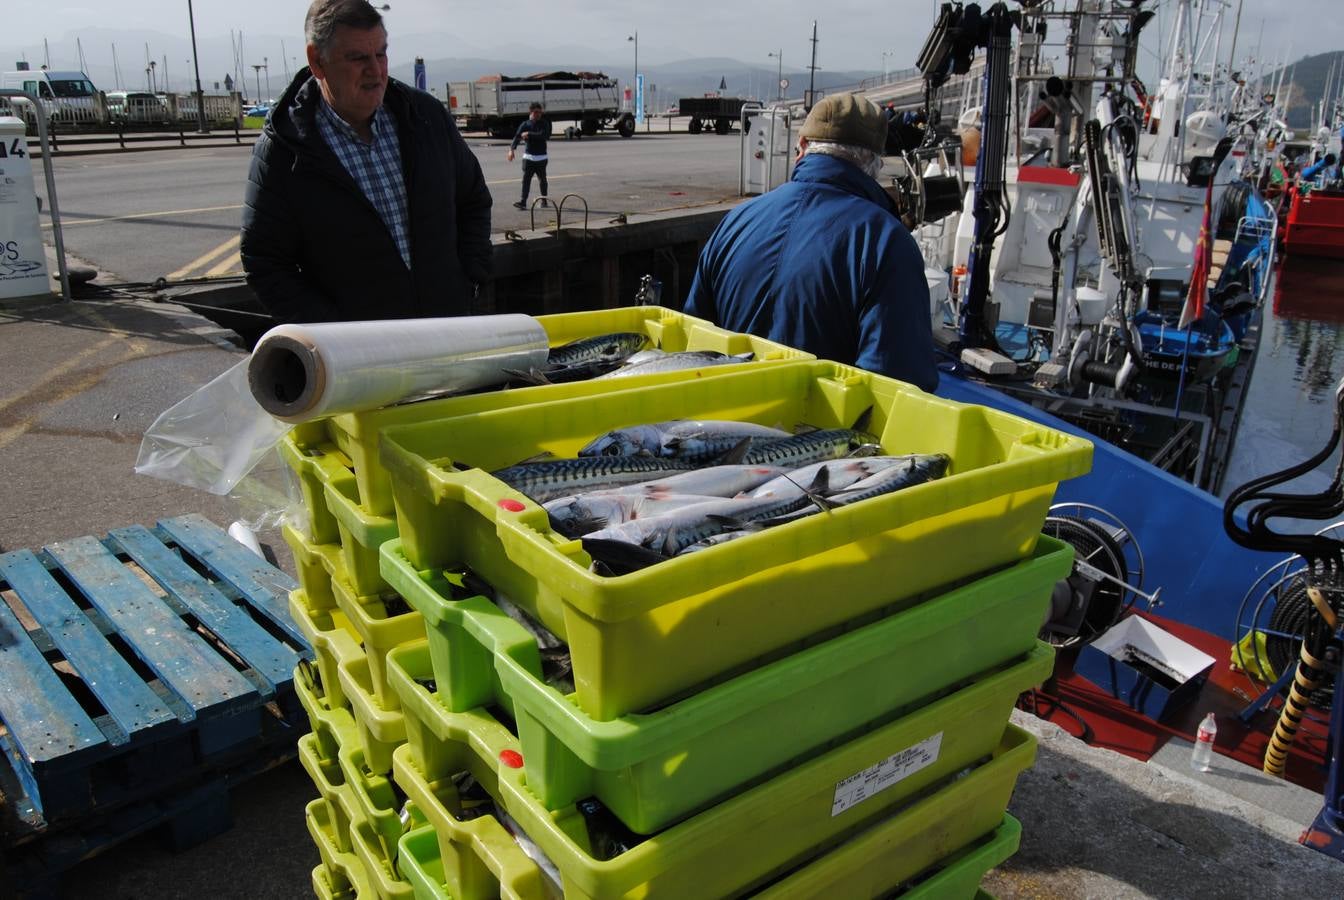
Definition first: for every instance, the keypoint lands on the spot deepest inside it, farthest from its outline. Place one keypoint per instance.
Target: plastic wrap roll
(302, 372)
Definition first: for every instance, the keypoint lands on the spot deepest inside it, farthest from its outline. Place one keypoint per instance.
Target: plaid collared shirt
(376, 168)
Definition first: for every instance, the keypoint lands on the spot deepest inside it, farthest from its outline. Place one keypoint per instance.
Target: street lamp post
(153, 85)
(196, 62)
(266, 64)
(634, 84)
(257, 67)
(779, 78)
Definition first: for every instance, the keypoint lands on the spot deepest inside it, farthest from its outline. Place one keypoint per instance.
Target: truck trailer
(499, 103)
(713, 111)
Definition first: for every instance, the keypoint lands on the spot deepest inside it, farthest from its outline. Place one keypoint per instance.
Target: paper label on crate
(881, 775)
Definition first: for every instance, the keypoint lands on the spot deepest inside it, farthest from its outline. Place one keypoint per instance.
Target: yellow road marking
(14, 432)
(206, 258)
(229, 263)
(66, 223)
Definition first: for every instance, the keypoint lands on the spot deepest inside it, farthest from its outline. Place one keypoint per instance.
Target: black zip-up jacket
(535, 133)
(314, 247)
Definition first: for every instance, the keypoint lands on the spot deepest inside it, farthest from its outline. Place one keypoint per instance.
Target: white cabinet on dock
(23, 259)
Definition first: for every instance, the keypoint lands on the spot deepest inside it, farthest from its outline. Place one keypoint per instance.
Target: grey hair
(868, 161)
(325, 16)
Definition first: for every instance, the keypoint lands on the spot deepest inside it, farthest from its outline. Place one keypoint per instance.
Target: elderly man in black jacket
(363, 201)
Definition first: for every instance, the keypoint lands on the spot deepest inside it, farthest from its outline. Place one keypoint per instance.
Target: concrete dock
(83, 380)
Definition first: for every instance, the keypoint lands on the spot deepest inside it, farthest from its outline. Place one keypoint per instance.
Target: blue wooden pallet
(142, 662)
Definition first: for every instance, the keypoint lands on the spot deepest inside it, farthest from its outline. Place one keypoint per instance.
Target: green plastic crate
(379, 631)
(421, 865)
(654, 769)
(353, 437)
(463, 859)
(378, 729)
(334, 641)
(644, 638)
(959, 876)
(756, 837)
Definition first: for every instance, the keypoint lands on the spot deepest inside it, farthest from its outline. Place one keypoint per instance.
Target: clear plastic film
(213, 438)
(302, 372)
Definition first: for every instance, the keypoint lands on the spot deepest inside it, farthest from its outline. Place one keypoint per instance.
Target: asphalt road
(140, 215)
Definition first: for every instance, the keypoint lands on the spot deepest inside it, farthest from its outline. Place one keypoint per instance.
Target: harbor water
(1290, 404)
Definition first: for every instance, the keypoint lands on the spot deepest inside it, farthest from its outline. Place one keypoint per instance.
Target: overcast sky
(852, 35)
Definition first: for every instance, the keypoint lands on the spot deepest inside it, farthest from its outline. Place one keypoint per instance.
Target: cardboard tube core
(287, 376)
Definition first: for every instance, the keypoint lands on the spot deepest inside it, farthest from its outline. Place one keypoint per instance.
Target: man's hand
(510, 155)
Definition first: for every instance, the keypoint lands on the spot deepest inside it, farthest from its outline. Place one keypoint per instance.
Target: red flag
(1198, 293)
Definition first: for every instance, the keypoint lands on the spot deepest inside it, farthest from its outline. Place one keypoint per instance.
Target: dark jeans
(530, 168)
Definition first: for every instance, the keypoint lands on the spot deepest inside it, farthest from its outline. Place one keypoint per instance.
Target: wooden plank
(260, 583)
(123, 693)
(183, 662)
(271, 658)
(43, 719)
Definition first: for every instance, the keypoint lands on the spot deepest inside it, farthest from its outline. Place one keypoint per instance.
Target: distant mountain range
(1305, 81)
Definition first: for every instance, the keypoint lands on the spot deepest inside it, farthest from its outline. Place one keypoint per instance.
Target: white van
(66, 97)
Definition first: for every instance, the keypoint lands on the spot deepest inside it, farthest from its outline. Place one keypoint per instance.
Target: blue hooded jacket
(824, 265)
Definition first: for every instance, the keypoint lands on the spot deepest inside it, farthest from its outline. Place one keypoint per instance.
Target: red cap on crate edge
(511, 758)
(511, 505)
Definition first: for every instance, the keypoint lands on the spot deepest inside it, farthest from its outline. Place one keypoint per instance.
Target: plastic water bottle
(1202, 754)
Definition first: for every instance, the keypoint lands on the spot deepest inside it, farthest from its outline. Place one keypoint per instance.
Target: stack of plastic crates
(351, 616)
(820, 709)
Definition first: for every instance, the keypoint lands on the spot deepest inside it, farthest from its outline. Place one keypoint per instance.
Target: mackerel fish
(668, 534)
(914, 469)
(600, 348)
(675, 362)
(681, 439)
(804, 449)
(576, 516)
(841, 474)
(553, 478)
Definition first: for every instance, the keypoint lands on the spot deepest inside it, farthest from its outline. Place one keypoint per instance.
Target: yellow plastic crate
(342, 873)
(379, 730)
(361, 534)
(334, 640)
(315, 470)
(314, 563)
(382, 623)
(960, 833)
(647, 637)
(763, 834)
(355, 435)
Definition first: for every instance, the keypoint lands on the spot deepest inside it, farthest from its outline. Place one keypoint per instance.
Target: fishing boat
(1078, 233)
(1315, 223)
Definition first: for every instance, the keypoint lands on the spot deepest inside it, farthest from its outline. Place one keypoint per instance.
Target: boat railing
(1262, 232)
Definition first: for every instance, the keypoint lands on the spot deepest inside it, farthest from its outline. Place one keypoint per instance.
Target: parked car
(136, 108)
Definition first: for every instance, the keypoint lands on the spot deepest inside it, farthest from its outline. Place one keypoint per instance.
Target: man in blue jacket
(363, 201)
(533, 133)
(823, 263)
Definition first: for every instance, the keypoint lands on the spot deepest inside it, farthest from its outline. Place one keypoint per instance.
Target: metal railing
(120, 109)
(58, 237)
